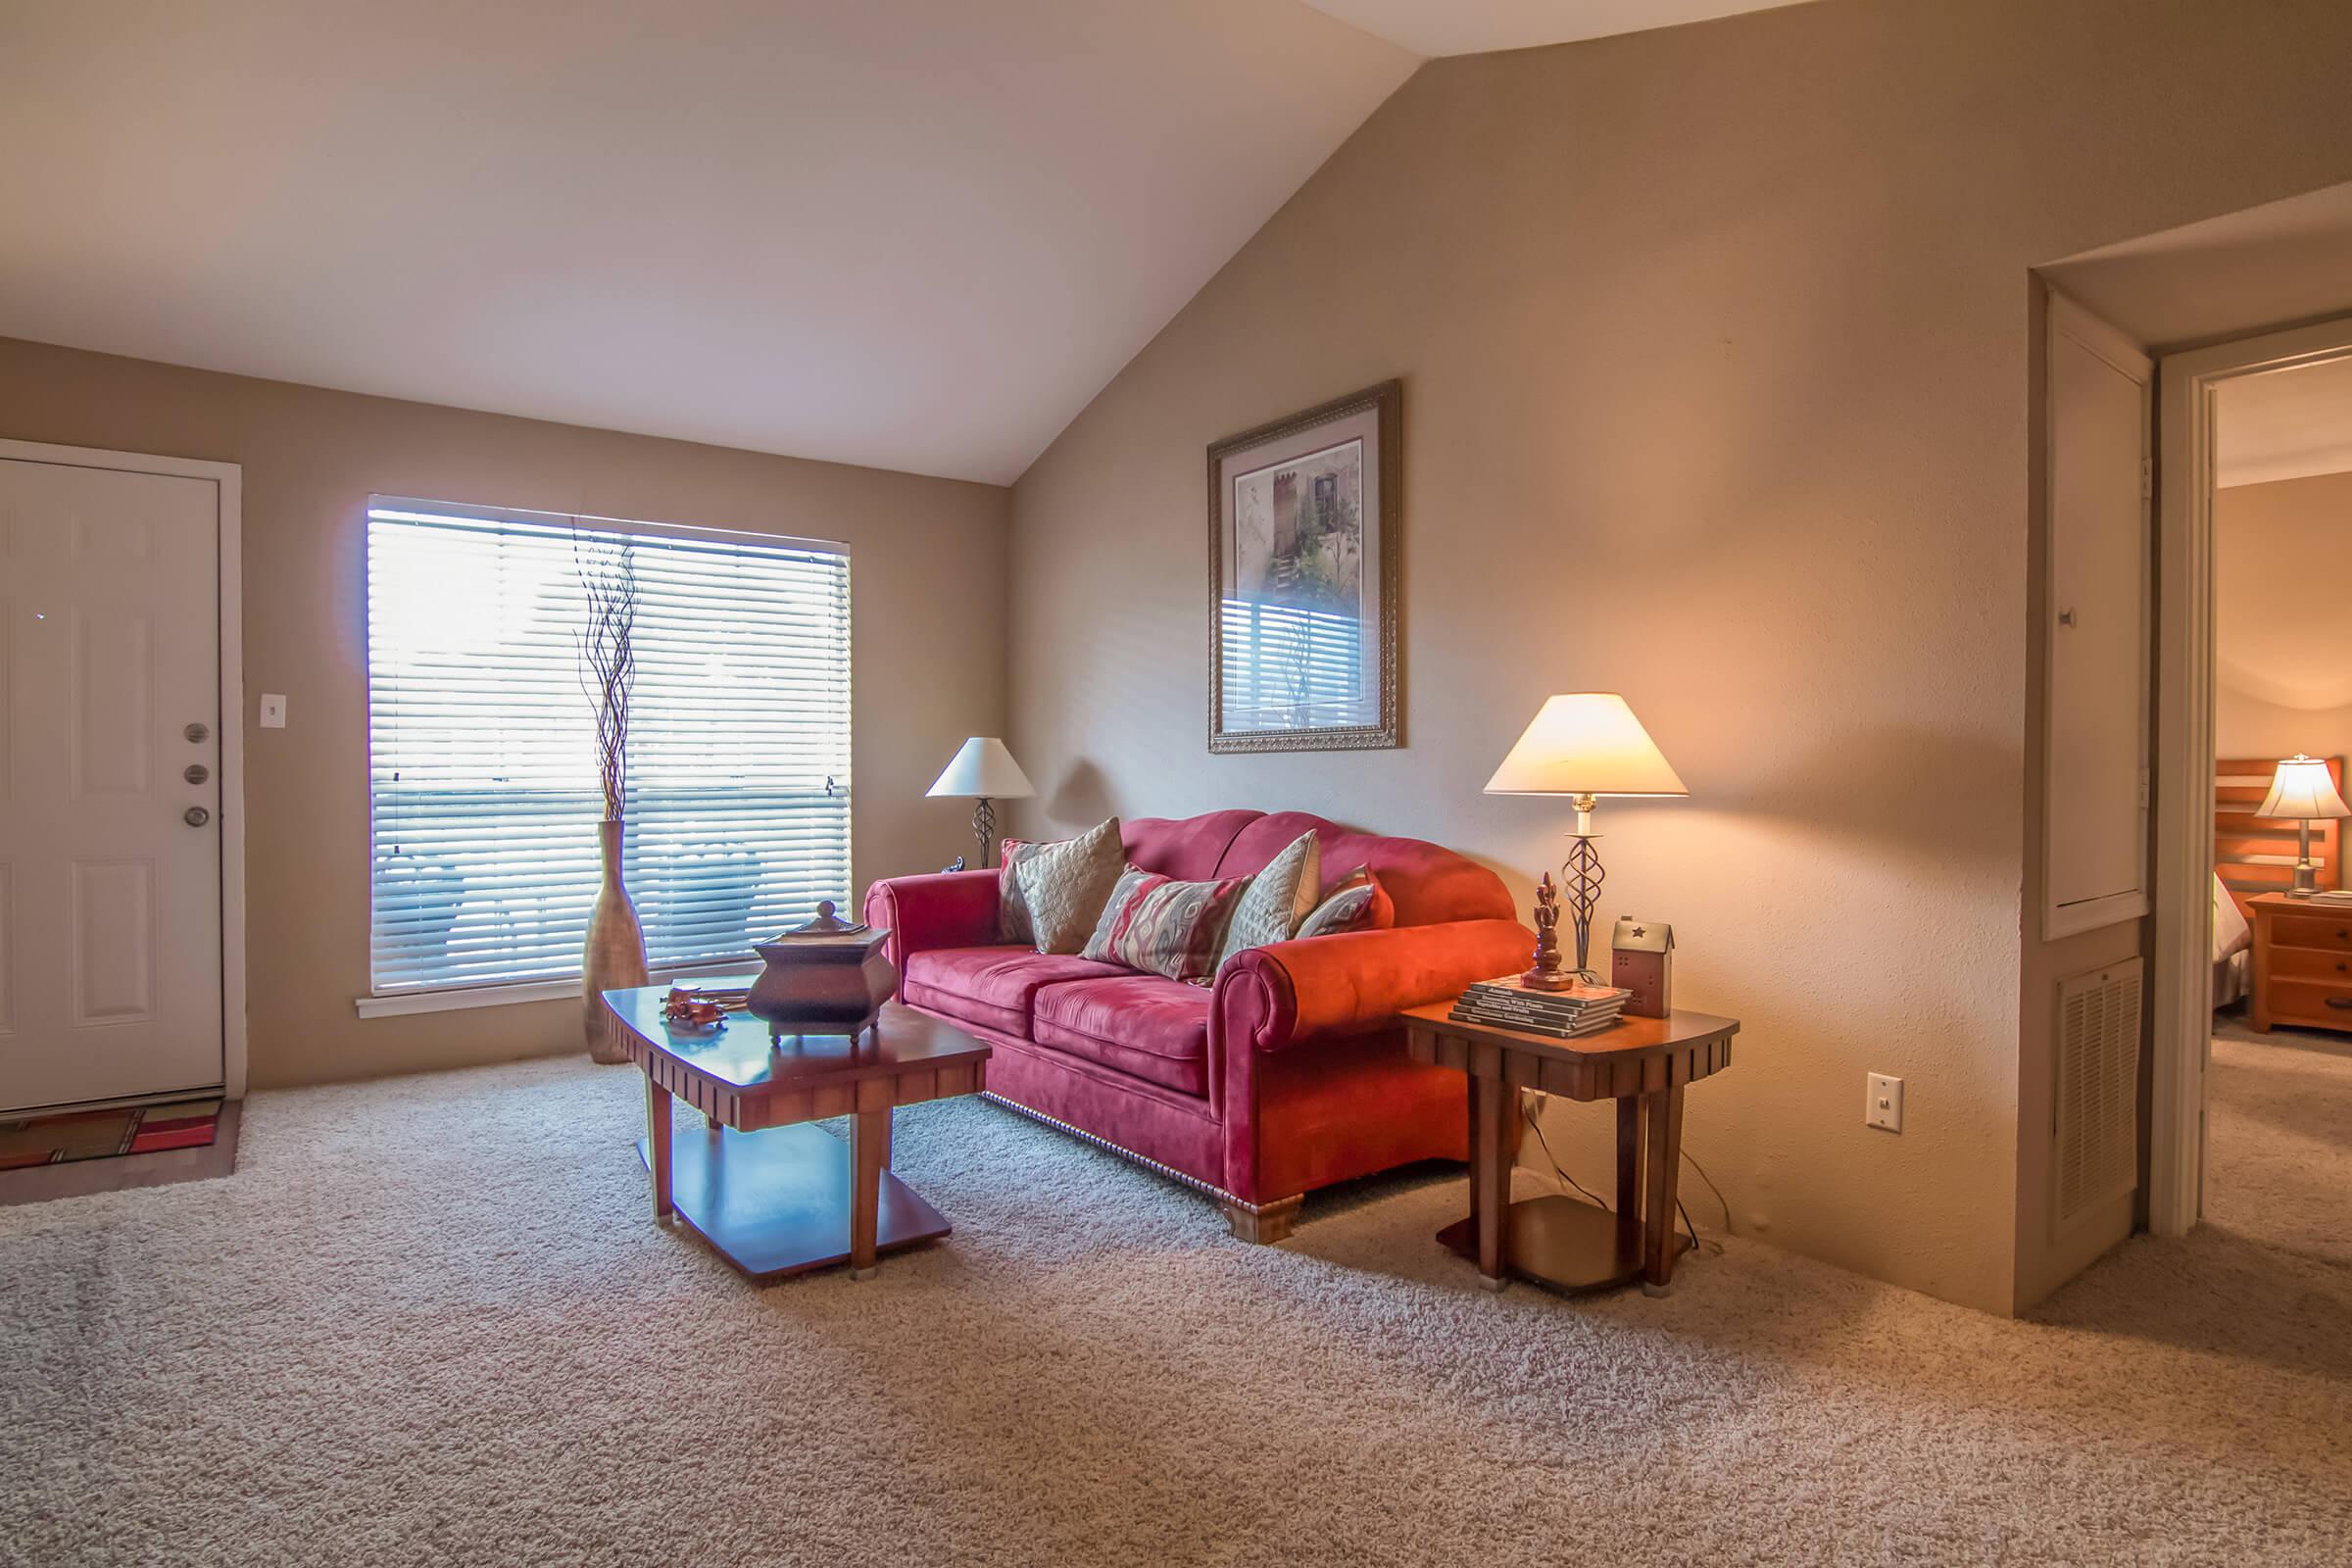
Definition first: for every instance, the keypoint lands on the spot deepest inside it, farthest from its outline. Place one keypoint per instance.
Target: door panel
(114, 941)
(111, 700)
(110, 900)
(2094, 845)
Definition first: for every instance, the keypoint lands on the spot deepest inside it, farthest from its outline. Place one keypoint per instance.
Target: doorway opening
(2251, 1124)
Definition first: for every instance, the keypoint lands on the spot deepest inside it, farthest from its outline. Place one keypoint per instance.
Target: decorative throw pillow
(1052, 894)
(1168, 927)
(1356, 903)
(1278, 898)
(1012, 911)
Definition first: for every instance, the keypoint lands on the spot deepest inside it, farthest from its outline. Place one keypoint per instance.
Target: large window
(482, 757)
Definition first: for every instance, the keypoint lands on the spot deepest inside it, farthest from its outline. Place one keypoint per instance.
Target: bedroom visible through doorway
(2278, 1076)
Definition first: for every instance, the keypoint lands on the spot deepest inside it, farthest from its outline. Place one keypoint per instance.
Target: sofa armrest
(944, 909)
(1269, 997)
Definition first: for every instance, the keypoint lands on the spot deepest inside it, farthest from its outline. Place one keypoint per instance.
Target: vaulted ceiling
(919, 234)
(1478, 26)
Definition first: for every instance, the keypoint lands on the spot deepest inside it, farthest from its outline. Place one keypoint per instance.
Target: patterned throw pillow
(1051, 894)
(1012, 911)
(1168, 927)
(1278, 898)
(1356, 903)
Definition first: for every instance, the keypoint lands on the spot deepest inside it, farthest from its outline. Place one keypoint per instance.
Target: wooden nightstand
(2302, 962)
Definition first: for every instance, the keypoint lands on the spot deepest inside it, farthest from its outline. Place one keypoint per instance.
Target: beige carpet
(428, 1321)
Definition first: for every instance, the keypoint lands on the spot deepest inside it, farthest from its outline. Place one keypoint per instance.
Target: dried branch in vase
(608, 570)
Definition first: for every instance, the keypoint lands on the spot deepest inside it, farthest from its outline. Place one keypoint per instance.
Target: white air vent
(2097, 1121)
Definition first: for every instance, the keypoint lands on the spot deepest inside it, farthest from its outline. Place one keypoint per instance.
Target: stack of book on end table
(1581, 1010)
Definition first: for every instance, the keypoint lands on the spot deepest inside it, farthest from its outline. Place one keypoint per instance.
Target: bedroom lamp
(985, 772)
(2302, 793)
(1585, 745)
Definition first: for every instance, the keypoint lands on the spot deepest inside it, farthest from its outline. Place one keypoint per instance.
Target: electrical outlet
(274, 711)
(1884, 1105)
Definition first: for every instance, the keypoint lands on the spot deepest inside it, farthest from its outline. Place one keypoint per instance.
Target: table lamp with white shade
(1585, 745)
(2302, 793)
(985, 772)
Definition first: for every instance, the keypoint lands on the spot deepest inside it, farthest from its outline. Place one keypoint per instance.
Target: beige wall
(1716, 364)
(928, 657)
(2282, 617)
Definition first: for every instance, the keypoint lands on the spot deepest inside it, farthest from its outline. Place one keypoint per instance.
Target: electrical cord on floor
(1527, 1114)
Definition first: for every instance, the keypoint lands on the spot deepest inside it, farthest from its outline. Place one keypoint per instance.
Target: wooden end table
(1642, 1064)
(771, 1193)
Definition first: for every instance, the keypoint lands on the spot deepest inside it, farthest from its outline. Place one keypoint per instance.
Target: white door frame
(229, 480)
(2187, 383)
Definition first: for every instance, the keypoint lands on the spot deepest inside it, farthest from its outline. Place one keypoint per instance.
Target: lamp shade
(984, 769)
(1585, 743)
(2302, 792)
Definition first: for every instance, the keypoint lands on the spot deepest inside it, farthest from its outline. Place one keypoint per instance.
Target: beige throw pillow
(1279, 898)
(1052, 894)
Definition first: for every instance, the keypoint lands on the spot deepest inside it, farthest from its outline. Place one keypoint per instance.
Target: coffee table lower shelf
(1558, 1242)
(778, 1201)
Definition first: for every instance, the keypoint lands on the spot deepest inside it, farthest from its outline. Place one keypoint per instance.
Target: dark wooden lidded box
(828, 977)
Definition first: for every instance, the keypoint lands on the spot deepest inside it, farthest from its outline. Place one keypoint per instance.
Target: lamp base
(984, 826)
(1581, 877)
(2307, 881)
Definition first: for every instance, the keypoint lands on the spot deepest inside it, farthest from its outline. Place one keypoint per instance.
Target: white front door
(110, 784)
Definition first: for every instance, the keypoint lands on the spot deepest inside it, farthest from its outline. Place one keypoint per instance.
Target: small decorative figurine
(1546, 972)
(1644, 965)
(684, 1009)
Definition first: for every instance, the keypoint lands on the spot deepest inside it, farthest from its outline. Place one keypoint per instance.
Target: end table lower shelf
(1564, 1244)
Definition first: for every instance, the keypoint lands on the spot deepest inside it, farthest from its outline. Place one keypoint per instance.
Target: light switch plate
(1884, 1106)
(274, 711)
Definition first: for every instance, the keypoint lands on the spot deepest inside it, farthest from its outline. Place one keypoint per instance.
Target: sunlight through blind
(1287, 668)
(482, 745)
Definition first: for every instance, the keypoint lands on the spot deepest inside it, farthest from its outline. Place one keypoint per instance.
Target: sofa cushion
(1140, 1024)
(1427, 882)
(992, 987)
(1185, 848)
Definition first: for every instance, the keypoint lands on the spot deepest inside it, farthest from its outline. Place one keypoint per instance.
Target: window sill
(401, 1004)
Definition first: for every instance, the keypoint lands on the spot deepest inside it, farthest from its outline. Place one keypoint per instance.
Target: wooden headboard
(2255, 854)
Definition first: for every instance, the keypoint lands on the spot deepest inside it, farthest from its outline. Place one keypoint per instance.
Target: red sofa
(1284, 1077)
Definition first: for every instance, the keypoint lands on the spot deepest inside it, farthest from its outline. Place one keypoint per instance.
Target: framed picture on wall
(1302, 573)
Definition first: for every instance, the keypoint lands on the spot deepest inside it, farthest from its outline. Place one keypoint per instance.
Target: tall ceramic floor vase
(614, 954)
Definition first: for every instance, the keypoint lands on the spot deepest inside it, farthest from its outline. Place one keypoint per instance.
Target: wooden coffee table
(1642, 1064)
(772, 1195)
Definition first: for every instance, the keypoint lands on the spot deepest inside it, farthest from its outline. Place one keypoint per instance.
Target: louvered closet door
(110, 898)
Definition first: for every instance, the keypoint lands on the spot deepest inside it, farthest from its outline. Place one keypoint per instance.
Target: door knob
(195, 816)
(195, 732)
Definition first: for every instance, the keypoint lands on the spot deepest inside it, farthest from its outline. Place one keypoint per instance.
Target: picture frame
(1304, 551)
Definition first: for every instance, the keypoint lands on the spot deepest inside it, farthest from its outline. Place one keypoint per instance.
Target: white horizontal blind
(483, 765)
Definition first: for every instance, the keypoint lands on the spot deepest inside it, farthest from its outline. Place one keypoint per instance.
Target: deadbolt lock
(195, 732)
(197, 773)
(195, 816)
